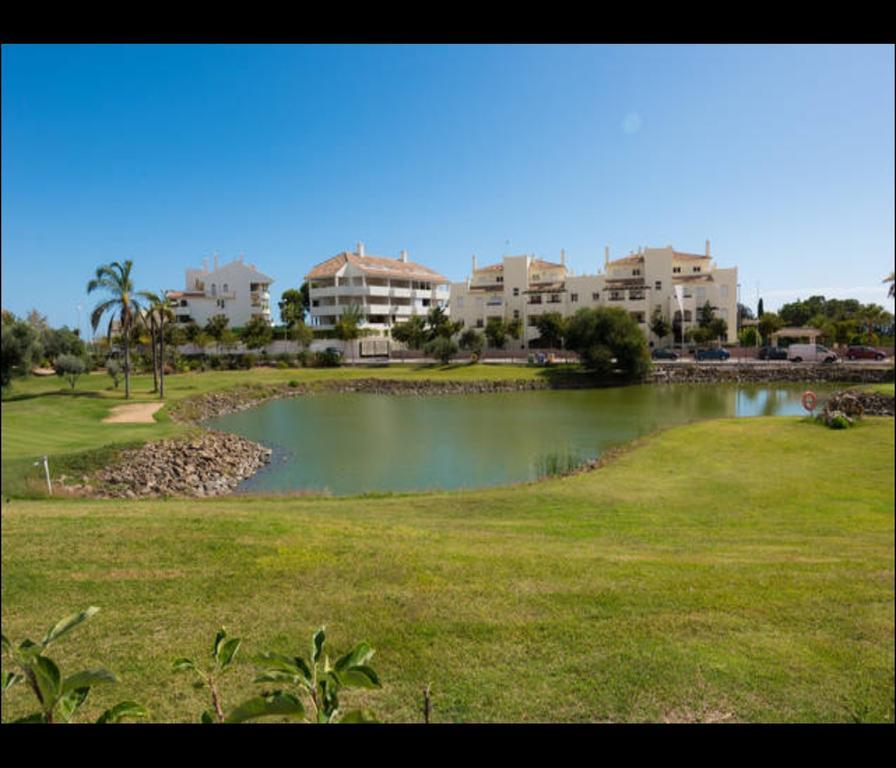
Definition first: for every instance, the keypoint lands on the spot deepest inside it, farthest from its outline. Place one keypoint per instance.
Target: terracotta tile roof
(679, 256)
(556, 287)
(627, 282)
(375, 265)
(491, 268)
(181, 294)
(631, 259)
(707, 278)
(541, 264)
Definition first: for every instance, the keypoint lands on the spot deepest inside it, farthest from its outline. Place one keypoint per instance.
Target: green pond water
(357, 443)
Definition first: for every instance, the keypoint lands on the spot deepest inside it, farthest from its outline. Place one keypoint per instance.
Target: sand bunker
(138, 413)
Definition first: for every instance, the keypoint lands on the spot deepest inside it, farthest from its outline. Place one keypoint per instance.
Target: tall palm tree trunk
(155, 367)
(127, 365)
(162, 358)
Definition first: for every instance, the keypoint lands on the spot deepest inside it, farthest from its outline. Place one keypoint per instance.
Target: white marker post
(46, 472)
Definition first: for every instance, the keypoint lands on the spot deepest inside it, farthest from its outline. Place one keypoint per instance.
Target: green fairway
(731, 570)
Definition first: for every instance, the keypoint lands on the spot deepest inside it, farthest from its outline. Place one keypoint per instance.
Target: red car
(865, 353)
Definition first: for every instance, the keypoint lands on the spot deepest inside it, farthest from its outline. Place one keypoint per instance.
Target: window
(723, 291)
(516, 314)
(701, 295)
(615, 296)
(573, 297)
(214, 290)
(554, 298)
(676, 270)
(531, 321)
(479, 323)
(183, 302)
(516, 291)
(499, 279)
(696, 269)
(636, 272)
(595, 296)
(658, 285)
(535, 298)
(224, 289)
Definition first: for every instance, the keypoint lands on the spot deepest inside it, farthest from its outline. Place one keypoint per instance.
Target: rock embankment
(717, 373)
(857, 404)
(210, 464)
(212, 404)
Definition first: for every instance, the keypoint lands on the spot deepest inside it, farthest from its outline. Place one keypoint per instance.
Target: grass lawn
(736, 570)
(887, 388)
(40, 415)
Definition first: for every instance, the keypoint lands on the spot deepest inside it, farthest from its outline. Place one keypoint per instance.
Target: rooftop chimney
(707, 247)
(216, 261)
(360, 249)
(474, 262)
(563, 257)
(403, 257)
(205, 264)
(606, 256)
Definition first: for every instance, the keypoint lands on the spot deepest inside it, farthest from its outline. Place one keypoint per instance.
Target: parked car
(811, 353)
(865, 353)
(664, 353)
(772, 353)
(713, 354)
(334, 351)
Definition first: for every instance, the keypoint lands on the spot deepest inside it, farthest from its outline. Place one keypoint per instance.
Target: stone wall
(718, 373)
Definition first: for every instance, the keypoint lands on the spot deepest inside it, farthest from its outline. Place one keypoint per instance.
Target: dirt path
(137, 413)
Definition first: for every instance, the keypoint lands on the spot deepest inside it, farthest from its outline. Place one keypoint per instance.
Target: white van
(810, 353)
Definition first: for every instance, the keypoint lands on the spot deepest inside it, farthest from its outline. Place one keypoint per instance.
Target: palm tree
(159, 311)
(115, 278)
(347, 329)
(892, 292)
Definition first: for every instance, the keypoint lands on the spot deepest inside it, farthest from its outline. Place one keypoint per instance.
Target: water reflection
(359, 443)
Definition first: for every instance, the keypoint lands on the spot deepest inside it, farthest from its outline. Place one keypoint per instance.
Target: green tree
(216, 328)
(442, 348)
(472, 341)
(891, 279)
(607, 340)
(348, 326)
(441, 325)
(552, 327)
(115, 279)
(70, 367)
(257, 333)
(659, 326)
(158, 312)
(496, 332)
(760, 310)
(769, 322)
(749, 336)
(19, 348)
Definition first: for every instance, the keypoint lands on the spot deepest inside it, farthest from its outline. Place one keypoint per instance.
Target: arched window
(214, 290)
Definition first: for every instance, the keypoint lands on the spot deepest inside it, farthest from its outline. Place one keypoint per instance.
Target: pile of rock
(842, 408)
(210, 464)
(714, 373)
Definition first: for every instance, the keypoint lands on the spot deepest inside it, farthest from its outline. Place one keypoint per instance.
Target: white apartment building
(388, 291)
(641, 282)
(236, 289)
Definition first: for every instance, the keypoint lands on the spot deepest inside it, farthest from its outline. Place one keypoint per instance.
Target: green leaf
(27, 651)
(359, 655)
(267, 706)
(70, 702)
(10, 679)
(182, 665)
(359, 716)
(227, 651)
(219, 638)
(69, 622)
(360, 677)
(87, 678)
(278, 676)
(122, 710)
(207, 718)
(48, 679)
(37, 717)
(7, 648)
(317, 643)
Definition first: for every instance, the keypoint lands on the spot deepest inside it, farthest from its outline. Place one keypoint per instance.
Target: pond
(357, 443)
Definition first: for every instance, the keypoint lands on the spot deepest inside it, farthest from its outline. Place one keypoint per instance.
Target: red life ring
(809, 400)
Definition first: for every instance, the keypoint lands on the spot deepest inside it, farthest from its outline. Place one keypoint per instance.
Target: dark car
(713, 354)
(865, 353)
(664, 353)
(772, 353)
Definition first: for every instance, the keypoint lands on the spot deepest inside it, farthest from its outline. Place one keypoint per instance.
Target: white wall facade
(237, 290)
(525, 287)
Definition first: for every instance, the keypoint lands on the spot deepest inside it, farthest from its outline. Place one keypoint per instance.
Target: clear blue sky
(783, 156)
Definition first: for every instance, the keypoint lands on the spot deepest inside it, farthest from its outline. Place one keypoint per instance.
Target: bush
(113, 368)
(608, 340)
(293, 383)
(70, 367)
(247, 361)
(327, 359)
(441, 348)
(303, 358)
